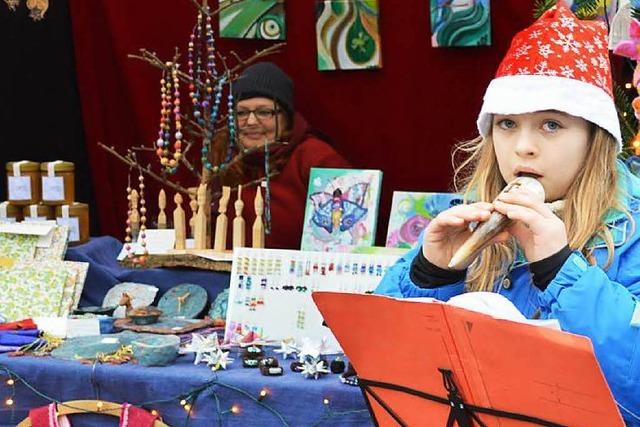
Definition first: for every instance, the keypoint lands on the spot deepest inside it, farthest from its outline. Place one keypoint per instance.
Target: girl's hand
(450, 229)
(539, 232)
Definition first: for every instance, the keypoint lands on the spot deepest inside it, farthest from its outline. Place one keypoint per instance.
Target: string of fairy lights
(186, 400)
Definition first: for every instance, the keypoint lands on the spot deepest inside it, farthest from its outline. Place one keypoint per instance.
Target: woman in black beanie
(265, 113)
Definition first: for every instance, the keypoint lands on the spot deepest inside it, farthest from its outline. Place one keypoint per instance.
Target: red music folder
(432, 364)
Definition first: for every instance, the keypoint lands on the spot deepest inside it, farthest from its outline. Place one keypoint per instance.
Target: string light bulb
(99, 404)
(628, 85)
(187, 407)
(235, 409)
(154, 413)
(9, 401)
(326, 401)
(263, 394)
(10, 381)
(183, 402)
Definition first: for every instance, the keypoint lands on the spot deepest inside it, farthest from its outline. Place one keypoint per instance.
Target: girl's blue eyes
(549, 125)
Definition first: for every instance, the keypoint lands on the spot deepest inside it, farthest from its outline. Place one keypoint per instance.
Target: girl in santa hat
(549, 114)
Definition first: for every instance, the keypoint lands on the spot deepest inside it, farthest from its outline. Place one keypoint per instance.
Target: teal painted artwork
(252, 19)
(460, 23)
(341, 210)
(347, 34)
(411, 213)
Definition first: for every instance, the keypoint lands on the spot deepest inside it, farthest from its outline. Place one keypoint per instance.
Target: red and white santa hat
(558, 63)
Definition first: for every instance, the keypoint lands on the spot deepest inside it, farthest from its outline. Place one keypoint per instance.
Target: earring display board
(270, 291)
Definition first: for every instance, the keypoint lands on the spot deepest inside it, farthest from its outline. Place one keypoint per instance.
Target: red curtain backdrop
(402, 119)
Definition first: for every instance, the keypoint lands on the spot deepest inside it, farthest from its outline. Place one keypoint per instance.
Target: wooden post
(238, 222)
(222, 222)
(200, 235)
(257, 240)
(162, 204)
(179, 223)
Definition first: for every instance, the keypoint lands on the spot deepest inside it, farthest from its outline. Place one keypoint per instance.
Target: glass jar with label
(23, 182)
(10, 213)
(58, 182)
(37, 212)
(76, 216)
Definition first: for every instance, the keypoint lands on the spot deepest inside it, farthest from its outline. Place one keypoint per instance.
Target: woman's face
(258, 121)
(549, 145)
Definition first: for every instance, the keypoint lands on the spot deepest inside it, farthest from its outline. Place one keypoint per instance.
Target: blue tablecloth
(297, 400)
(105, 271)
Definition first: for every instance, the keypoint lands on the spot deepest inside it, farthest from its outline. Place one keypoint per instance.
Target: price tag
(19, 188)
(52, 188)
(74, 227)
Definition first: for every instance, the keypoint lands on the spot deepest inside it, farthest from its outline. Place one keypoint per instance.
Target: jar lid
(25, 166)
(38, 210)
(58, 166)
(74, 209)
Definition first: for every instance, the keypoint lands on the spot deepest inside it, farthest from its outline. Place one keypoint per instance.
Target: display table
(292, 399)
(105, 271)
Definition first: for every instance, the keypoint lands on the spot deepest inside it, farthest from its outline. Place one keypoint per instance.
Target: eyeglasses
(262, 114)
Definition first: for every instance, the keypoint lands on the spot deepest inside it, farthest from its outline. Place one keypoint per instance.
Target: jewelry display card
(341, 210)
(270, 291)
(30, 291)
(460, 23)
(411, 212)
(251, 19)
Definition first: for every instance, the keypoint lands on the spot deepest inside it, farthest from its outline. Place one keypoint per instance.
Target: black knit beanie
(265, 80)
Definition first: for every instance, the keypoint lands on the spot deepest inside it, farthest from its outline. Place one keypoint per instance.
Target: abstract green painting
(460, 23)
(252, 19)
(347, 34)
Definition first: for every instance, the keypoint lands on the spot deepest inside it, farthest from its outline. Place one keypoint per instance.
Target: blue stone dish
(158, 350)
(145, 315)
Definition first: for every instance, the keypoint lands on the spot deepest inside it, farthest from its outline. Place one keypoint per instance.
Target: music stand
(431, 364)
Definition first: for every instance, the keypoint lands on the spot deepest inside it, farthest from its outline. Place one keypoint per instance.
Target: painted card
(270, 292)
(460, 23)
(28, 291)
(411, 212)
(341, 210)
(252, 19)
(348, 35)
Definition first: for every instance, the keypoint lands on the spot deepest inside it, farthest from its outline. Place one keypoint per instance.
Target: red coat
(288, 188)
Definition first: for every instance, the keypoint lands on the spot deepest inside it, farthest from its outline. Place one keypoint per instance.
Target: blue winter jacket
(587, 300)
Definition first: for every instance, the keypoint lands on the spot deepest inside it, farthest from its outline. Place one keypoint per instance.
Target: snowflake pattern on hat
(559, 44)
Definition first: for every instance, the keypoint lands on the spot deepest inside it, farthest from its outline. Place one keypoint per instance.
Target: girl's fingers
(528, 200)
(528, 216)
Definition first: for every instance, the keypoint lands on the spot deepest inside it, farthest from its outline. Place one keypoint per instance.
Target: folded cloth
(15, 339)
(20, 324)
(8, 348)
(132, 416)
(23, 332)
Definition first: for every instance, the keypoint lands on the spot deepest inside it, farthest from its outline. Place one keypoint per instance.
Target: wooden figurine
(238, 222)
(134, 215)
(258, 226)
(222, 222)
(162, 204)
(179, 223)
(193, 204)
(200, 233)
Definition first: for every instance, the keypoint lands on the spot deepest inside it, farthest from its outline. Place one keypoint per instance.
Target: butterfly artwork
(411, 212)
(341, 209)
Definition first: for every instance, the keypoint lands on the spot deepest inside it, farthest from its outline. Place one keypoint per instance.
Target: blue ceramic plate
(185, 300)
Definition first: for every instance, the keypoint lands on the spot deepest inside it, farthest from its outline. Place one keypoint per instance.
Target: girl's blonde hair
(592, 194)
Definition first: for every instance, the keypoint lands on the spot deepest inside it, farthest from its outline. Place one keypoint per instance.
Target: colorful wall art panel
(411, 213)
(460, 23)
(270, 292)
(252, 19)
(347, 34)
(341, 210)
